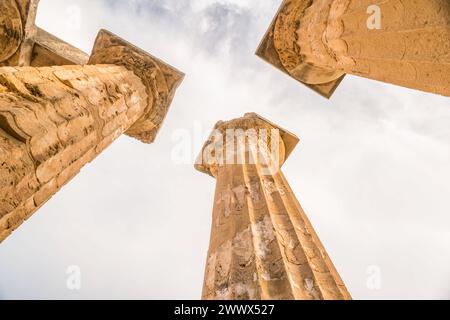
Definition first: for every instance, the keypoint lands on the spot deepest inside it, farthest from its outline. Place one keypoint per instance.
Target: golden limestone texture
(403, 42)
(22, 43)
(262, 244)
(54, 120)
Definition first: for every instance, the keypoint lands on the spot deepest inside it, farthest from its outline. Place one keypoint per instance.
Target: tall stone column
(22, 43)
(262, 244)
(406, 43)
(54, 120)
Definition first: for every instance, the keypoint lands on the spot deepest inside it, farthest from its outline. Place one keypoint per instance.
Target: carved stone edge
(160, 79)
(290, 140)
(59, 52)
(38, 48)
(267, 52)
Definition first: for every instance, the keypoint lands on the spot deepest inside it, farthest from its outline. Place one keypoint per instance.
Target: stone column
(54, 120)
(406, 43)
(262, 244)
(22, 43)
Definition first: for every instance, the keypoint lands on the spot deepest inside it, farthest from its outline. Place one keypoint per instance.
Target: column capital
(280, 48)
(317, 42)
(160, 79)
(22, 43)
(250, 123)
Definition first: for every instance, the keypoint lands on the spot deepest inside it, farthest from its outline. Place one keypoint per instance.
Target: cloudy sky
(372, 171)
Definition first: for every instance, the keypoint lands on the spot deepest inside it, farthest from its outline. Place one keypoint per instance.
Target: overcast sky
(372, 171)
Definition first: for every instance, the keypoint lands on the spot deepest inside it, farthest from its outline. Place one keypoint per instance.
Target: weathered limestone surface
(160, 79)
(53, 121)
(22, 43)
(262, 244)
(319, 41)
(49, 50)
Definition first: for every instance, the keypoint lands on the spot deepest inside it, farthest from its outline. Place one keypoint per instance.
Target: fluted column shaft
(53, 121)
(410, 47)
(262, 245)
